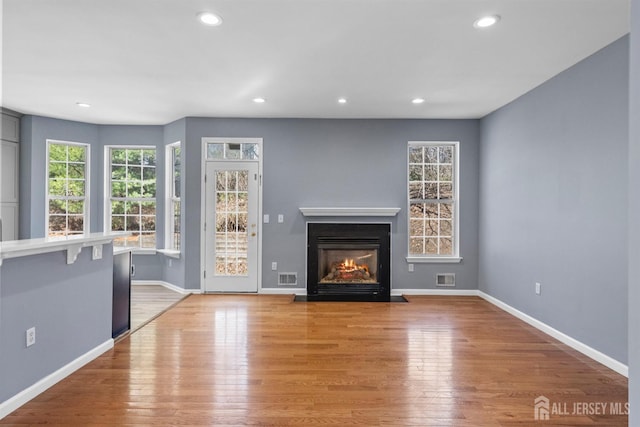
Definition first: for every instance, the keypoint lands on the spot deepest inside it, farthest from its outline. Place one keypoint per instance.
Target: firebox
(348, 262)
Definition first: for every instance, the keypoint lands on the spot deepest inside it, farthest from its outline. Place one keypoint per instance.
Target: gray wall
(35, 131)
(553, 202)
(70, 306)
(306, 163)
(634, 215)
(311, 162)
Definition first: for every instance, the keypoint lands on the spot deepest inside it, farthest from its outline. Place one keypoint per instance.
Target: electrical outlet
(274, 266)
(31, 336)
(280, 218)
(538, 288)
(265, 218)
(410, 268)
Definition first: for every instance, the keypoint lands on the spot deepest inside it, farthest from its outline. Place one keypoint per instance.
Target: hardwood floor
(148, 301)
(215, 360)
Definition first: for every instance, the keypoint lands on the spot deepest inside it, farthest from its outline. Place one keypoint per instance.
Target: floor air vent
(446, 280)
(287, 279)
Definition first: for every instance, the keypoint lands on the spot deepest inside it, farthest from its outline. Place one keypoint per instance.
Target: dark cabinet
(121, 320)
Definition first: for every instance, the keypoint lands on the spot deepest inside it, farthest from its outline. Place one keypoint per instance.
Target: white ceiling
(151, 62)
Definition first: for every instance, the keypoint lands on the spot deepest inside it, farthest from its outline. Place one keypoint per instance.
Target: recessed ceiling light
(208, 18)
(342, 100)
(417, 100)
(486, 21)
(83, 104)
(259, 100)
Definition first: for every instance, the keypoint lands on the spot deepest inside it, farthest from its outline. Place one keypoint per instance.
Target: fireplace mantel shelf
(349, 211)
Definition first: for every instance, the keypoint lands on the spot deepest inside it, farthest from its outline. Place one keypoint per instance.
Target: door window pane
(232, 151)
(231, 222)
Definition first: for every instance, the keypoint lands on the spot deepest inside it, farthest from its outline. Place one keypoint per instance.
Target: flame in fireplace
(348, 270)
(350, 265)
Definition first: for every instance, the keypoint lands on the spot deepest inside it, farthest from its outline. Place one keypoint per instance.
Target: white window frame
(170, 200)
(107, 191)
(87, 187)
(433, 258)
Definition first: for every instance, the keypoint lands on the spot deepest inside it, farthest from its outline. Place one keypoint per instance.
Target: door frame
(203, 203)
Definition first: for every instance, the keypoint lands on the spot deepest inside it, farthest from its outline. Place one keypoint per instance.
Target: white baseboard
(594, 354)
(166, 285)
(449, 292)
(283, 291)
(31, 392)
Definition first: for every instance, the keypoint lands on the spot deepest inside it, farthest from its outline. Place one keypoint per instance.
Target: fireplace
(348, 262)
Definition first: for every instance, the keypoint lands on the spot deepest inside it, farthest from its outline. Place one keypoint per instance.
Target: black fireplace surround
(348, 262)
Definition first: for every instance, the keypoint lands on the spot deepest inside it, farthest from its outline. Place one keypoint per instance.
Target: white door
(231, 226)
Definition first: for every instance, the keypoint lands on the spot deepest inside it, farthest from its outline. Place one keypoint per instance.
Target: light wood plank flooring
(215, 360)
(148, 301)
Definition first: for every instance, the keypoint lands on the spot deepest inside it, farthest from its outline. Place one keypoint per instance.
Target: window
(433, 201)
(231, 150)
(173, 196)
(131, 186)
(67, 189)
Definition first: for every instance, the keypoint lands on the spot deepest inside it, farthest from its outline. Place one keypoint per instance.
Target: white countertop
(72, 244)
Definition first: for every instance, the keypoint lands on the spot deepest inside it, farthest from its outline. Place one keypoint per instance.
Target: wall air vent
(287, 279)
(446, 280)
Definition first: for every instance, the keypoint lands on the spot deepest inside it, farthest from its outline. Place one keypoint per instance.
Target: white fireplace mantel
(349, 211)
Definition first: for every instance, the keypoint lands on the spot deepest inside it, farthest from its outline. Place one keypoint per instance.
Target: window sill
(139, 251)
(434, 260)
(171, 253)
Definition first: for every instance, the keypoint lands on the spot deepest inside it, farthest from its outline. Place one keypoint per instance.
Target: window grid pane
(66, 189)
(233, 151)
(231, 223)
(431, 189)
(176, 224)
(177, 154)
(174, 157)
(133, 196)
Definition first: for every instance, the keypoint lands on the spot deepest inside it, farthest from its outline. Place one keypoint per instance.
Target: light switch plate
(96, 253)
(31, 336)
